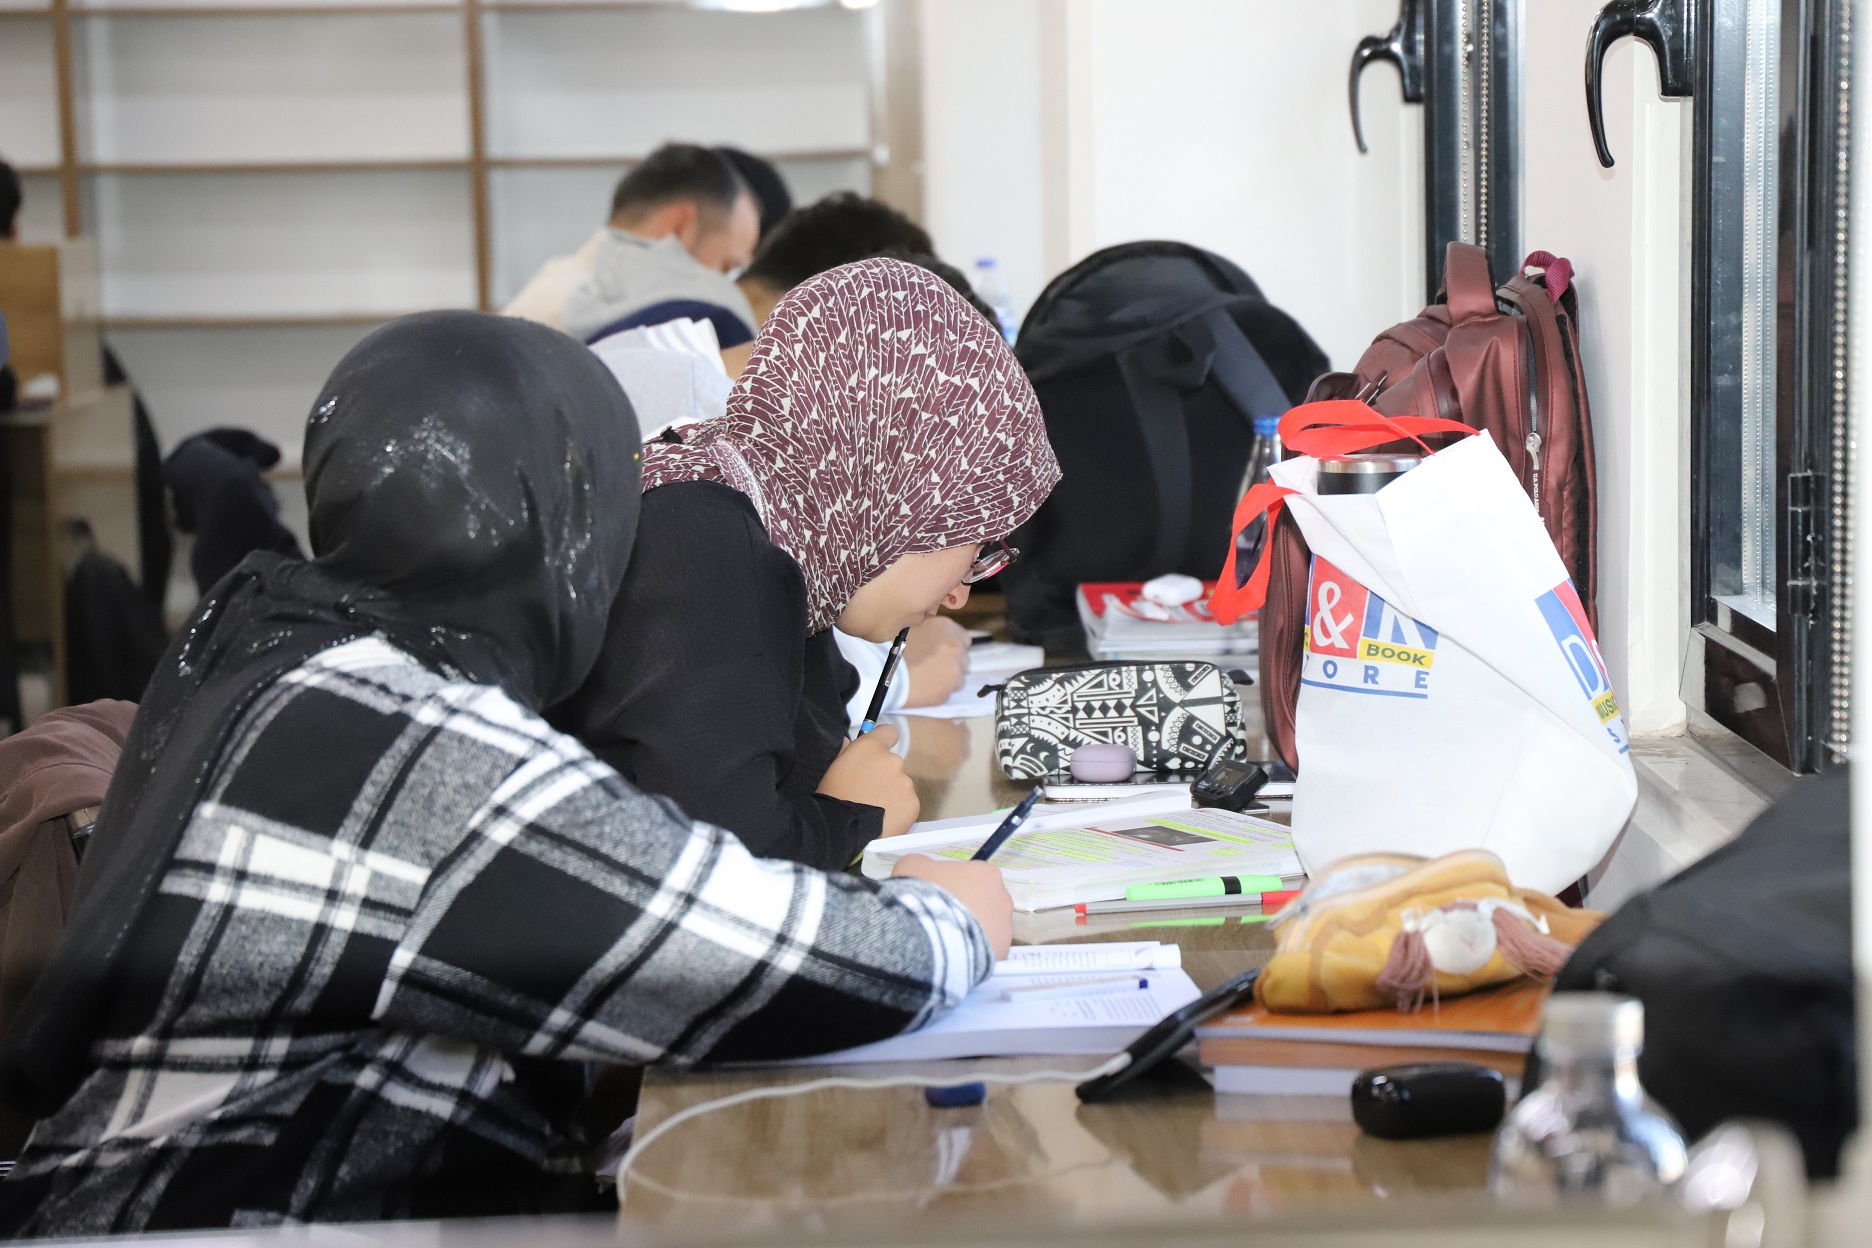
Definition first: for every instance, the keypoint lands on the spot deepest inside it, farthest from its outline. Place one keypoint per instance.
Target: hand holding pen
(866, 770)
(883, 685)
(1009, 826)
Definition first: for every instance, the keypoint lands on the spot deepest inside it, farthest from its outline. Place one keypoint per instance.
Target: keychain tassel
(1407, 970)
(1525, 948)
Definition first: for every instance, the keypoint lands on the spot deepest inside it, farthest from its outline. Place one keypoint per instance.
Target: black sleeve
(699, 694)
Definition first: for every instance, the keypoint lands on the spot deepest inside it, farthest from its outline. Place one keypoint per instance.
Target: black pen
(1009, 826)
(883, 685)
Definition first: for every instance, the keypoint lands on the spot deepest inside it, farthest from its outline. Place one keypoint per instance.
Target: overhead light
(859, 4)
(758, 6)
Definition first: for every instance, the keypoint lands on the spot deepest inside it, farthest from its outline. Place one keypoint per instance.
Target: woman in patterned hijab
(882, 440)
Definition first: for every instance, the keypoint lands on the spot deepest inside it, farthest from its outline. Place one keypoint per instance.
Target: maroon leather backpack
(1503, 360)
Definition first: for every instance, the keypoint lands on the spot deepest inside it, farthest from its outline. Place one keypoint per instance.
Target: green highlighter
(1210, 886)
(1217, 920)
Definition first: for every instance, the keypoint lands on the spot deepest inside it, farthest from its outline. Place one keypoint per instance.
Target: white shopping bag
(1453, 695)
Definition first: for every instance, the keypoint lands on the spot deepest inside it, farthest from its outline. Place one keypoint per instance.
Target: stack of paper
(1257, 1050)
(989, 663)
(998, 660)
(1069, 853)
(1088, 1015)
(1121, 623)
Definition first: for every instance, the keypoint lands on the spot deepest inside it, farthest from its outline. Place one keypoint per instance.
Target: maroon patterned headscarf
(879, 416)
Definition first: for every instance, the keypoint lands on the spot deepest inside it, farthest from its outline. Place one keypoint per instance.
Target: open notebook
(1099, 1020)
(1067, 853)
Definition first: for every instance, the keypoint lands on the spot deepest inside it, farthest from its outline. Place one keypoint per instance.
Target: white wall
(1223, 123)
(1624, 230)
(982, 147)
(283, 244)
(28, 93)
(1218, 122)
(272, 88)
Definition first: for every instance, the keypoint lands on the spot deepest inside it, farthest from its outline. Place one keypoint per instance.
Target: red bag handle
(1329, 427)
(1346, 426)
(1230, 601)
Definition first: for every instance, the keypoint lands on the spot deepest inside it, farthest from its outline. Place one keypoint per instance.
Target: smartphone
(1170, 1035)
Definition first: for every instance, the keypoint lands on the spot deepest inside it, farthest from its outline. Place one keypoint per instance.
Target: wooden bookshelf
(259, 321)
(267, 182)
(479, 142)
(627, 162)
(257, 10)
(416, 164)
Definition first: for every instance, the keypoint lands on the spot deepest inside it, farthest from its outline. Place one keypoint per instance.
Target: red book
(1119, 619)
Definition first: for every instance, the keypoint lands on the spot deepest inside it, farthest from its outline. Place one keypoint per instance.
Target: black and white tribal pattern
(1177, 716)
(344, 984)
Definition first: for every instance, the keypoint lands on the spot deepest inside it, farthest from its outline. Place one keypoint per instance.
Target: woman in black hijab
(353, 913)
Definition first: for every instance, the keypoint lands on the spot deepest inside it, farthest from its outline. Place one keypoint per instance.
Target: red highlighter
(1270, 902)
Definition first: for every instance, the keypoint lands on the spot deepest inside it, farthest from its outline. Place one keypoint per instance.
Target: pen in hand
(883, 685)
(1008, 827)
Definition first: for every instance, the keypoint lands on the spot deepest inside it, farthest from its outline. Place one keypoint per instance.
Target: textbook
(1071, 852)
(1047, 999)
(1257, 1050)
(1121, 623)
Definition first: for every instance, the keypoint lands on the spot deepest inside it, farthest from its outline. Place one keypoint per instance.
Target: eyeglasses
(989, 562)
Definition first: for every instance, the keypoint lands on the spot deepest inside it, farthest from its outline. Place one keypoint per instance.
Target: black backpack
(1151, 361)
(1744, 964)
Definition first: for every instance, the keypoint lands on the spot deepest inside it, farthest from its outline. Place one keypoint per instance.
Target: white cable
(869, 1196)
(1111, 1066)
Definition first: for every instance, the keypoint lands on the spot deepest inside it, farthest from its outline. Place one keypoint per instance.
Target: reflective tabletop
(851, 1159)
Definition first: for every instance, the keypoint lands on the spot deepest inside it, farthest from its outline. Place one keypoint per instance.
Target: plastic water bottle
(994, 293)
(1588, 1132)
(1265, 450)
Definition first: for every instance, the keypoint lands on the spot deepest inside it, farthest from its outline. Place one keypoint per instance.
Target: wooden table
(838, 1161)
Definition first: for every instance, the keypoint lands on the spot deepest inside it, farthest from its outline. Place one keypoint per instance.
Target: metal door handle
(1403, 47)
(1669, 26)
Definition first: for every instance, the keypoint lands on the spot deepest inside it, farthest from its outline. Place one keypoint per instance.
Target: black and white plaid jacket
(398, 894)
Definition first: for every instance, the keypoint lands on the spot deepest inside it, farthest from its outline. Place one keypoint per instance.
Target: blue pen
(883, 685)
(1008, 827)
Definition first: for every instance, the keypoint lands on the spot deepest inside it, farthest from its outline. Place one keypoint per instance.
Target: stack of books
(1255, 1050)
(1120, 623)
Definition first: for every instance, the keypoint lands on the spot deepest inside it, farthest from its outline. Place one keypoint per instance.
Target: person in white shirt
(934, 665)
(681, 222)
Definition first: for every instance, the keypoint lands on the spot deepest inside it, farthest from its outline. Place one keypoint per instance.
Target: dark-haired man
(840, 228)
(681, 222)
(769, 186)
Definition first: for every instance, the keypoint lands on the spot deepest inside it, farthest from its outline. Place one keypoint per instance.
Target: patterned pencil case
(1177, 717)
